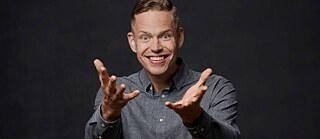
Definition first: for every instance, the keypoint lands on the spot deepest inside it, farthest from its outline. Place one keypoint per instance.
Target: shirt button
(100, 137)
(111, 126)
(195, 132)
(161, 120)
(202, 129)
(163, 96)
(103, 125)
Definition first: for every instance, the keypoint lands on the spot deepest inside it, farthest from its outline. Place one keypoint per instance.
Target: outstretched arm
(188, 107)
(218, 120)
(114, 99)
(105, 121)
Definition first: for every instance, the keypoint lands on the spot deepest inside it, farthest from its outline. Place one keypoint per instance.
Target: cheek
(141, 49)
(171, 46)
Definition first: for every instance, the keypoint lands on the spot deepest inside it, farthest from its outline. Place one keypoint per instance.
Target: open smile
(157, 59)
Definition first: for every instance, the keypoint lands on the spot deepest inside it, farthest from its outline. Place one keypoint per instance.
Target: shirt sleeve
(219, 116)
(97, 127)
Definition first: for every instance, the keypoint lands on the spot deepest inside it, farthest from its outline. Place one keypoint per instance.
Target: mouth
(157, 59)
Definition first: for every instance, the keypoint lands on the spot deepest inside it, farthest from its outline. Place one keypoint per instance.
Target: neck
(160, 82)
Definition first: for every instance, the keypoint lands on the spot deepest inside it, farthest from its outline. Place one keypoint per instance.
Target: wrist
(195, 122)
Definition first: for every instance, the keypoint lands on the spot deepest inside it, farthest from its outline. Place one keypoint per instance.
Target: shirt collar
(178, 80)
(145, 82)
(182, 76)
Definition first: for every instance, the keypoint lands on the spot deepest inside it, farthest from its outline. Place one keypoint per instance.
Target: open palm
(189, 106)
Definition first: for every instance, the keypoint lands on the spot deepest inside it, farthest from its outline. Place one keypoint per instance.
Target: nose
(156, 46)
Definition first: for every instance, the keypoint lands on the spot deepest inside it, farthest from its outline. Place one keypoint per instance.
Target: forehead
(153, 21)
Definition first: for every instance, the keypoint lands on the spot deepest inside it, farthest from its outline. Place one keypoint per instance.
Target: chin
(157, 71)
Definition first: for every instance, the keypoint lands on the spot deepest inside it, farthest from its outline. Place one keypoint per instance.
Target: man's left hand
(189, 106)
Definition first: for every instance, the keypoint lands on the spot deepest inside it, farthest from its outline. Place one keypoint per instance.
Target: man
(166, 99)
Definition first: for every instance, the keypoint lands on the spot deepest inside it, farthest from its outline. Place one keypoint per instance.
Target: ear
(180, 37)
(132, 42)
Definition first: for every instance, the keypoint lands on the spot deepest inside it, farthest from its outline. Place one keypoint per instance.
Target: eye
(166, 37)
(144, 38)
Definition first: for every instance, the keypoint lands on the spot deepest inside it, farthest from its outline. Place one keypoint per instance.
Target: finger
(112, 84)
(131, 95)
(202, 90)
(121, 89)
(200, 94)
(204, 76)
(173, 106)
(102, 71)
(104, 77)
(170, 105)
(98, 64)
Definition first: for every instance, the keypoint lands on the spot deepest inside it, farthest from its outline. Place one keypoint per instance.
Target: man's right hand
(114, 99)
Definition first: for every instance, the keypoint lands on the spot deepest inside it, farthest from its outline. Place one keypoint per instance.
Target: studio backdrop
(269, 50)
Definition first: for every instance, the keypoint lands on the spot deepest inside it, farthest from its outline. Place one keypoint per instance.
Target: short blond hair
(155, 5)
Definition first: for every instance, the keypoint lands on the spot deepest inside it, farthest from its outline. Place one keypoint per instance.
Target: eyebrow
(166, 32)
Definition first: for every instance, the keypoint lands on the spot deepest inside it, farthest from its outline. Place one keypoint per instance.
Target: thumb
(132, 95)
(170, 105)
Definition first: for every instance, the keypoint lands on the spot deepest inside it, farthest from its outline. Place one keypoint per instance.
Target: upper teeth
(156, 58)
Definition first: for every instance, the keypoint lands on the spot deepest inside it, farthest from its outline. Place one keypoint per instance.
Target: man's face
(155, 41)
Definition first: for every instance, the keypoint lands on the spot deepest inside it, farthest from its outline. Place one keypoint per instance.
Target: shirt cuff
(103, 125)
(203, 128)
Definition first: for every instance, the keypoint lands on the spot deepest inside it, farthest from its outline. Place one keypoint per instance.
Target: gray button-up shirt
(147, 116)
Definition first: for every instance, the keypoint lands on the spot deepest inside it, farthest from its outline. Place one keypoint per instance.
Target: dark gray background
(269, 49)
